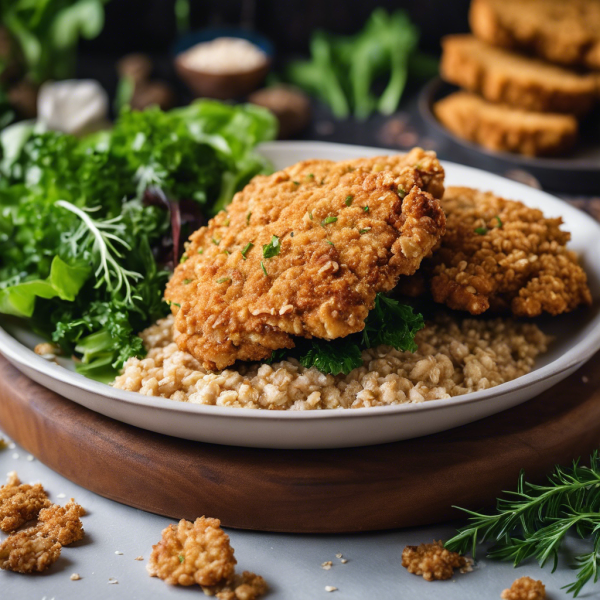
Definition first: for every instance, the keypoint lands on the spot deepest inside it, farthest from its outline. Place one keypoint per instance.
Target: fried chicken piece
(525, 588)
(304, 252)
(61, 523)
(502, 255)
(563, 32)
(26, 553)
(20, 503)
(191, 553)
(506, 129)
(506, 77)
(432, 561)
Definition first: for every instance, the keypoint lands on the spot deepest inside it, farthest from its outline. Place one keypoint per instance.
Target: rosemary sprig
(533, 521)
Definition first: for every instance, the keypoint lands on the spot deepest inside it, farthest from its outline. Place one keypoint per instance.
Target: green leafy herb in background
(344, 70)
(389, 323)
(533, 521)
(79, 247)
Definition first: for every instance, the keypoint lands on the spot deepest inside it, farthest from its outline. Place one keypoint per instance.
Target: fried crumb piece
(3, 443)
(139, 558)
(20, 503)
(23, 553)
(47, 349)
(112, 581)
(247, 586)
(75, 577)
(330, 588)
(432, 561)
(343, 560)
(191, 553)
(525, 588)
(61, 523)
(327, 565)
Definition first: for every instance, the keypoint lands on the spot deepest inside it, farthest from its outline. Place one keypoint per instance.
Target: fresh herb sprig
(533, 521)
(389, 323)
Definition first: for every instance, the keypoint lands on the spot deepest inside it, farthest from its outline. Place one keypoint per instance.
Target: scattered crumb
(15, 455)
(20, 503)
(30, 457)
(468, 568)
(525, 588)
(3, 443)
(61, 496)
(432, 561)
(330, 588)
(112, 580)
(139, 558)
(343, 560)
(327, 565)
(11, 446)
(200, 552)
(339, 555)
(118, 553)
(24, 553)
(585, 379)
(75, 577)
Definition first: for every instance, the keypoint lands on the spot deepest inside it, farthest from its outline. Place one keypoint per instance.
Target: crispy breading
(344, 231)
(504, 128)
(26, 553)
(561, 31)
(61, 523)
(502, 255)
(503, 76)
(432, 561)
(525, 588)
(190, 553)
(247, 586)
(20, 503)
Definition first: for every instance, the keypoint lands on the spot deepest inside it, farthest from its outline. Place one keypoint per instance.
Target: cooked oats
(454, 357)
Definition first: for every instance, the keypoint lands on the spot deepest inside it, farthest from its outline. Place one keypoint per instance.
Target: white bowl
(577, 339)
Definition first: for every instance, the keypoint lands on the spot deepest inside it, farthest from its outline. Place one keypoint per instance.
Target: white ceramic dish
(578, 338)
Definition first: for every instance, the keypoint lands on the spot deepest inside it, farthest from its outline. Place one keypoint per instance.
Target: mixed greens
(534, 520)
(87, 226)
(344, 70)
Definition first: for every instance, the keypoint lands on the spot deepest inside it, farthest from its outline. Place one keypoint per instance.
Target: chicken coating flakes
(303, 252)
(20, 503)
(191, 553)
(26, 553)
(501, 255)
(61, 523)
(432, 561)
(247, 586)
(525, 588)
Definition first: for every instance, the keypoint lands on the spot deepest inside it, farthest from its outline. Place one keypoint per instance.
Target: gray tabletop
(291, 564)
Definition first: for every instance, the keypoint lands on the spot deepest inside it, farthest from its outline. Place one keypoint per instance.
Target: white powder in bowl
(224, 55)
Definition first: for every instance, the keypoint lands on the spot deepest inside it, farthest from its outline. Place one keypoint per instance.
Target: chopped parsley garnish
(200, 250)
(183, 258)
(388, 324)
(248, 218)
(330, 243)
(186, 281)
(226, 252)
(401, 192)
(310, 215)
(296, 182)
(366, 208)
(365, 230)
(262, 266)
(246, 249)
(181, 558)
(310, 176)
(272, 248)
(174, 304)
(223, 279)
(328, 220)
(481, 230)
(215, 242)
(323, 181)
(226, 222)
(348, 200)
(499, 220)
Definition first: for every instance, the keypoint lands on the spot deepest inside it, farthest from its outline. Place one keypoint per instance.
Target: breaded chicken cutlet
(303, 252)
(506, 77)
(504, 128)
(561, 31)
(501, 255)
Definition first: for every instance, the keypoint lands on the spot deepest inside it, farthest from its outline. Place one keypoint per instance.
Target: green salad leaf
(83, 253)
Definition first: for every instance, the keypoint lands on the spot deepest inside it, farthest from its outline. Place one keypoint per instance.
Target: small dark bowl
(223, 86)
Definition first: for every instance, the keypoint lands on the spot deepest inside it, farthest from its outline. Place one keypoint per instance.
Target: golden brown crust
(20, 503)
(346, 231)
(432, 561)
(501, 255)
(503, 76)
(190, 553)
(61, 523)
(26, 553)
(563, 32)
(247, 586)
(502, 128)
(525, 588)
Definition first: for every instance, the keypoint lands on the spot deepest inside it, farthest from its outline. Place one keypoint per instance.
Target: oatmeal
(453, 358)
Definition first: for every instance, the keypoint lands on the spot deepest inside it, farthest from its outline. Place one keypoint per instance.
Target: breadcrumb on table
(432, 561)
(61, 523)
(525, 588)
(25, 553)
(20, 503)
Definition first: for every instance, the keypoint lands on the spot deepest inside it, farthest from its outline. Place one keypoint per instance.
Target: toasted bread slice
(500, 127)
(503, 76)
(566, 32)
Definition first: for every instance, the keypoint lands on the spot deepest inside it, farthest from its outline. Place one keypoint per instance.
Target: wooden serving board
(408, 483)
